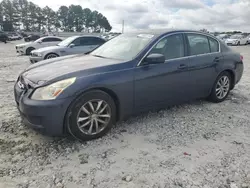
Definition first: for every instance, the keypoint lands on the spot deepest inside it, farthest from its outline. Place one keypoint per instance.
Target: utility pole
(122, 26)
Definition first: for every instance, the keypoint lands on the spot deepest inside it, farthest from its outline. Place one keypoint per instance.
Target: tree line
(22, 14)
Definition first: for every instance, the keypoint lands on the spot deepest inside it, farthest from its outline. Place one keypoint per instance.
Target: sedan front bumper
(20, 51)
(44, 116)
(35, 59)
(232, 43)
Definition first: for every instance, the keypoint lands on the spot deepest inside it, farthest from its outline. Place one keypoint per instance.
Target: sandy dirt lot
(195, 145)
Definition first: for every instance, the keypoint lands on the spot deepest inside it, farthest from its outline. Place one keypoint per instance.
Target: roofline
(160, 32)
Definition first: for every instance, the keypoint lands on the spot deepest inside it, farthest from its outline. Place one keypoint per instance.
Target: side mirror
(40, 42)
(72, 45)
(154, 59)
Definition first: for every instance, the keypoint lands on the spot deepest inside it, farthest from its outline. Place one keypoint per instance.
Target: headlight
(52, 91)
(37, 54)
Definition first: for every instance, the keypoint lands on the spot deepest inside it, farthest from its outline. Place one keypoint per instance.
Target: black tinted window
(171, 47)
(51, 40)
(86, 41)
(77, 42)
(57, 39)
(214, 45)
(81, 41)
(198, 44)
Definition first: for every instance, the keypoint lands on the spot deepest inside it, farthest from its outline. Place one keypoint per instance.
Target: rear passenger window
(214, 45)
(198, 44)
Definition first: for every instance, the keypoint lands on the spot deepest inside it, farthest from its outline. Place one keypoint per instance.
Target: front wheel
(91, 115)
(221, 87)
(51, 55)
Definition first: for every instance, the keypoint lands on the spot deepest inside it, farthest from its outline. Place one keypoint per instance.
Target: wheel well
(109, 92)
(29, 48)
(114, 97)
(50, 54)
(232, 76)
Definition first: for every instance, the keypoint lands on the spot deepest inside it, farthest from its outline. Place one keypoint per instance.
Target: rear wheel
(221, 87)
(28, 51)
(238, 43)
(91, 115)
(51, 55)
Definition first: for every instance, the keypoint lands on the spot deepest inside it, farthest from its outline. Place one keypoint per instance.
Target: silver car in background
(69, 46)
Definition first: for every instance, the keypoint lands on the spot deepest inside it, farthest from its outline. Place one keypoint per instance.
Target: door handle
(182, 66)
(217, 59)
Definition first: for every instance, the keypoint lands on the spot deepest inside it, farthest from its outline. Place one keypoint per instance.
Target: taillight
(241, 57)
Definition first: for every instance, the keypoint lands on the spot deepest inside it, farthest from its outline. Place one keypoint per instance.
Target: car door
(204, 55)
(158, 85)
(245, 40)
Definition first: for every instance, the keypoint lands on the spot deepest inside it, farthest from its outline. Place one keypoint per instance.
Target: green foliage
(17, 14)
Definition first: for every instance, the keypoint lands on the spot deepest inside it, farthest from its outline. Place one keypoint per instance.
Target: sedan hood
(231, 40)
(24, 44)
(50, 48)
(69, 66)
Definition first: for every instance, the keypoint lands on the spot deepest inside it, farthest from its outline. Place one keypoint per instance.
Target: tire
(213, 96)
(51, 55)
(238, 44)
(76, 112)
(28, 50)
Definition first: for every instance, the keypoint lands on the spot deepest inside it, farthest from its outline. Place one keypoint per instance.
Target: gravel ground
(194, 145)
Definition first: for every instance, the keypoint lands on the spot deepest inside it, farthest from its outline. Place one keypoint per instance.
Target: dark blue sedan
(86, 94)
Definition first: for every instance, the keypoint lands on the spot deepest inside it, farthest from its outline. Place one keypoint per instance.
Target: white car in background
(26, 48)
(70, 46)
(237, 40)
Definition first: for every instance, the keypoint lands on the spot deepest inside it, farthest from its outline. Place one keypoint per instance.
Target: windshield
(236, 37)
(67, 41)
(123, 47)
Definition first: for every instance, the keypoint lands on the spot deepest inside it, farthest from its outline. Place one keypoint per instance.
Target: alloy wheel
(222, 87)
(93, 117)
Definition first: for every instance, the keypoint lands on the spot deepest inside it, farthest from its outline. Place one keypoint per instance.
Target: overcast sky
(215, 15)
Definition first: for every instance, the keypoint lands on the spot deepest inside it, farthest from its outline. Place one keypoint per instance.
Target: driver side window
(171, 47)
(77, 42)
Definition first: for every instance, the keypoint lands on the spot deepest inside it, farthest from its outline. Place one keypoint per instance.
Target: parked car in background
(71, 45)
(23, 34)
(14, 36)
(134, 72)
(223, 37)
(248, 41)
(26, 48)
(31, 38)
(237, 40)
(3, 37)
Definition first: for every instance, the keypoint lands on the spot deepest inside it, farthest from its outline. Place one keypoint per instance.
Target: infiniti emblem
(20, 85)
